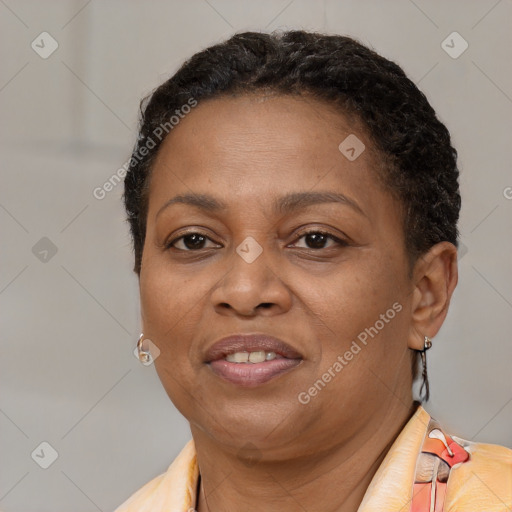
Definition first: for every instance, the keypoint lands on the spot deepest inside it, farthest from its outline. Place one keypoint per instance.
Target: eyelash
(339, 241)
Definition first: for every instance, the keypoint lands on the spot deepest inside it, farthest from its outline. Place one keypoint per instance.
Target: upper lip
(249, 343)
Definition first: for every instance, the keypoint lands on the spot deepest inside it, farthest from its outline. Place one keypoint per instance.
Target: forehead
(254, 147)
(253, 123)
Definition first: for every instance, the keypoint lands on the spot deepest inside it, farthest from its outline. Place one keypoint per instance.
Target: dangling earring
(144, 357)
(427, 344)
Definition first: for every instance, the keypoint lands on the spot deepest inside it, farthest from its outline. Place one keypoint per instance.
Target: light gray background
(70, 324)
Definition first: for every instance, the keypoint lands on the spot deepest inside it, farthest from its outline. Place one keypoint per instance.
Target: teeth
(250, 357)
(257, 357)
(238, 357)
(270, 355)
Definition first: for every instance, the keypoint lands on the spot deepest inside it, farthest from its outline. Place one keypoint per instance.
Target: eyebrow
(282, 205)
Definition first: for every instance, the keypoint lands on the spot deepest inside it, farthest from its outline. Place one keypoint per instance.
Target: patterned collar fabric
(425, 470)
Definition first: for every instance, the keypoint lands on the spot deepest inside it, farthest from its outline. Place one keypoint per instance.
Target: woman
(293, 202)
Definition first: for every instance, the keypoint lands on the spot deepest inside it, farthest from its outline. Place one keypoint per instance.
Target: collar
(390, 489)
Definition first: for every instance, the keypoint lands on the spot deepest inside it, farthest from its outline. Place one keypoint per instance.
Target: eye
(195, 241)
(189, 242)
(316, 239)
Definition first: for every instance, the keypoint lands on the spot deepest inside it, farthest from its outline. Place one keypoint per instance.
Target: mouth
(251, 360)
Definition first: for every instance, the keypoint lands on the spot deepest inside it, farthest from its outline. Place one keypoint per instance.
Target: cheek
(361, 303)
(167, 312)
(354, 293)
(173, 304)
(163, 292)
(163, 308)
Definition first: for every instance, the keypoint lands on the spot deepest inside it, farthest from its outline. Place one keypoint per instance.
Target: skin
(260, 448)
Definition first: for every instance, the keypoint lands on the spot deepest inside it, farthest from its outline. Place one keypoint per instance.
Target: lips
(250, 343)
(249, 374)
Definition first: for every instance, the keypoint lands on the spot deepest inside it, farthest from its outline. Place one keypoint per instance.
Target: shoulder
(141, 497)
(173, 490)
(484, 482)
(456, 475)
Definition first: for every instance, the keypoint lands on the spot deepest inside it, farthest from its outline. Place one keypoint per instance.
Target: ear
(435, 276)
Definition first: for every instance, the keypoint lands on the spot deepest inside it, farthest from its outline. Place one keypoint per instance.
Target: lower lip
(252, 374)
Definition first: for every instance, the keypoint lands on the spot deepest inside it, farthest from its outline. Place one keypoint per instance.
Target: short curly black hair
(418, 163)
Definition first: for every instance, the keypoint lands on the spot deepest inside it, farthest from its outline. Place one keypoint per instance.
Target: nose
(251, 287)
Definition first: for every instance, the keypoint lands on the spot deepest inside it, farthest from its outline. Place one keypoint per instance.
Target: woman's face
(344, 299)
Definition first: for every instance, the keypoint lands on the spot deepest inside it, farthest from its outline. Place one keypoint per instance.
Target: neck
(332, 481)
